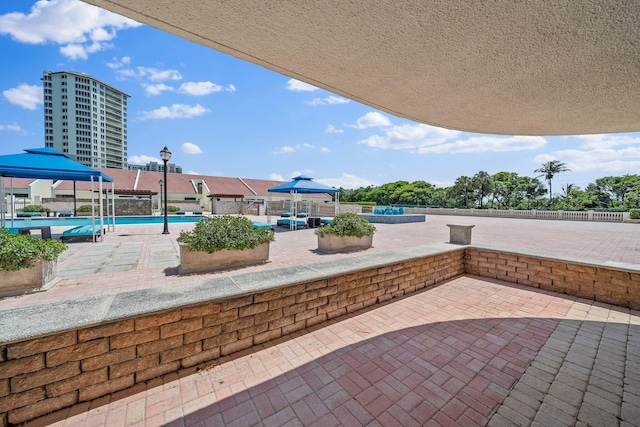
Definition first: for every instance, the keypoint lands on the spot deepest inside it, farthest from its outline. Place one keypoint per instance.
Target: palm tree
(549, 169)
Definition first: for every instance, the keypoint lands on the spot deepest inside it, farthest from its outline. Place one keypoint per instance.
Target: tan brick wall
(594, 282)
(45, 374)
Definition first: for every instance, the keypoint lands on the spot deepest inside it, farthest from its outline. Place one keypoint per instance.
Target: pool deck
(471, 351)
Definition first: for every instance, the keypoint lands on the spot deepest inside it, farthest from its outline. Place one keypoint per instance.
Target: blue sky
(222, 116)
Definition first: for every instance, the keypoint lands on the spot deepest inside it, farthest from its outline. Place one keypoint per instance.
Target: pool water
(120, 220)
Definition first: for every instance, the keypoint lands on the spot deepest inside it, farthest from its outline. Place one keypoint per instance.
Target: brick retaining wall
(602, 283)
(45, 374)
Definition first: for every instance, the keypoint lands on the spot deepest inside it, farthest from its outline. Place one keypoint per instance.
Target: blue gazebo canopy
(303, 185)
(47, 163)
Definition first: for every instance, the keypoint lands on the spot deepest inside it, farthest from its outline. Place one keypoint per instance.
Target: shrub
(35, 208)
(172, 209)
(18, 251)
(634, 213)
(85, 208)
(212, 234)
(347, 224)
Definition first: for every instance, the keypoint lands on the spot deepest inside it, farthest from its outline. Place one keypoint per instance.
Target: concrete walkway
(140, 256)
(469, 352)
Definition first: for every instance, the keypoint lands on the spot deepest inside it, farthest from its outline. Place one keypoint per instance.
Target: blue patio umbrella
(303, 185)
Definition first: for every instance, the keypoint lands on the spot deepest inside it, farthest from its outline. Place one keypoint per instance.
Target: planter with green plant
(85, 210)
(27, 263)
(220, 242)
(347, 232)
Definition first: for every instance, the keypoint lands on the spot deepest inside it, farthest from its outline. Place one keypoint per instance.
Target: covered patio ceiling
(528, 68)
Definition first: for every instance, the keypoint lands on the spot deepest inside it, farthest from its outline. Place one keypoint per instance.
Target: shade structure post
(2, 203)
(100, 206)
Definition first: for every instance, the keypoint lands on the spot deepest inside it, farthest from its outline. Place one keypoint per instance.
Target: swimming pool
(120, 220)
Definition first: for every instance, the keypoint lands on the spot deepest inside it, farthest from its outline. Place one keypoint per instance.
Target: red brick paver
(449, 354)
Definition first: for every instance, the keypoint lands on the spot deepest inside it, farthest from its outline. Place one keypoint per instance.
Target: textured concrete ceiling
(496, 66)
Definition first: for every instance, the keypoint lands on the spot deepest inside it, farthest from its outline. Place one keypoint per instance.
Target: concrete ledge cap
(28, 322)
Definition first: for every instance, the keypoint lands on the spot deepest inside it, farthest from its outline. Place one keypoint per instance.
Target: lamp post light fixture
(165, 155)
(160, 204)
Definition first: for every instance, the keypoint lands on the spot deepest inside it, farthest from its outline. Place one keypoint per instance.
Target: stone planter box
(333, 243)
(39, 277)
(202, 262)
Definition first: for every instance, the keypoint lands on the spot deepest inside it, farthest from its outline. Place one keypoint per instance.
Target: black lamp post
(165, 155)
(160, 205)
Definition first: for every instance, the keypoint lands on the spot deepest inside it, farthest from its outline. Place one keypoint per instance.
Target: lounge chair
(285, 214)
(65, 214)
(180, 212)
(257, 224)
(197, 212)
(325, 221)
(80, 233)
(302, 214)
(27, 214)
(287, 223)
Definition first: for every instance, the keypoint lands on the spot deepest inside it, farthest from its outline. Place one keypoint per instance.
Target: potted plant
(224, 241)
(27, 263)
(346, 232)
(85, 210)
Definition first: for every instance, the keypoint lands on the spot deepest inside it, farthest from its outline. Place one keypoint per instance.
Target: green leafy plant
(212, 234)
(35, 208)
(85, 208)
(347, 224)
(172, 209)
(18, 251)
(634, 213)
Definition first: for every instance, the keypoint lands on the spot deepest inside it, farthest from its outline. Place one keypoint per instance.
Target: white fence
(528, 214)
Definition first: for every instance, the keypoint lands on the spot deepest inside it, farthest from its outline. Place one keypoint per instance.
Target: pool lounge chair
(285, 214)
(257, 224)
(81, 233)
(27, 214)
(65, 214)
(326, 221)
(302, 214)
(287, 223)
(197, 212)
(180, 212)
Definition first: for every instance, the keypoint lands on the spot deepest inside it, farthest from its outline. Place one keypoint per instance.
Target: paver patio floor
(453, 354)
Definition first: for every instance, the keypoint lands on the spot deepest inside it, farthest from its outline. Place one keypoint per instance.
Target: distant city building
(157, 167)
(85, 118)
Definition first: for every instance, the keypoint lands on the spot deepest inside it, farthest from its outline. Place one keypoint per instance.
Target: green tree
(549, 170)
(482, 186)
(462, 191)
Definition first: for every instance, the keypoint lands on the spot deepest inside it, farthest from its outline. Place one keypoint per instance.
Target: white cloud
(346, 181)
(14, 128)
(331, 129)
(26, 96)
(189, 148)
(80, 28)
(203, 88)
(276, 177)
(142, 160)
(125, 61)
(325, 150)
(620, 161)
(331, 100)
(285, 149)
(372, 119)
(175, 111)
(421, 139)
(157, 89)
(150, 73)
(298, 86)
(292, 149)
(193, 173)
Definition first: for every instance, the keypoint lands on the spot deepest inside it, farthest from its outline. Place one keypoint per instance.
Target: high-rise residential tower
(85, 118)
